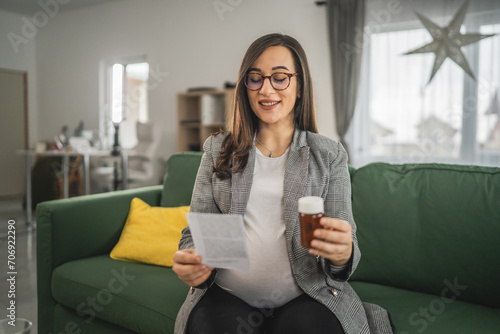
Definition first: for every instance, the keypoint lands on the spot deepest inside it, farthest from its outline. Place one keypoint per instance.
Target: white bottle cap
(311, 205)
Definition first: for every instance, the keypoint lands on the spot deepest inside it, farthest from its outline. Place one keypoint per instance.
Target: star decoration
(447, 41)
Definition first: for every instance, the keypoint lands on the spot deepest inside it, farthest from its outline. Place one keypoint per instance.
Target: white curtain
(402, 118)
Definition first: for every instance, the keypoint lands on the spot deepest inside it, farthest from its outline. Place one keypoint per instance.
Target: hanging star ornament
(447, 41)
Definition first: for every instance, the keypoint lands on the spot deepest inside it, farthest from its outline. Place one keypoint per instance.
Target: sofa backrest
(178, 183)
(433, 228)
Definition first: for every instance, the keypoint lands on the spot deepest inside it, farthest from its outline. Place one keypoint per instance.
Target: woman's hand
(333, 241)
(188, 266)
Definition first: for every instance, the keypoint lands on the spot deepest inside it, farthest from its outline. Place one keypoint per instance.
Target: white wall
(186, 38)
(20, 57)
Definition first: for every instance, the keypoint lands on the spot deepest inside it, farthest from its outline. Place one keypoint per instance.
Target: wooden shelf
(201, 114)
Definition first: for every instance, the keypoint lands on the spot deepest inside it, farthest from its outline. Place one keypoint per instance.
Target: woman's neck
(273, 141)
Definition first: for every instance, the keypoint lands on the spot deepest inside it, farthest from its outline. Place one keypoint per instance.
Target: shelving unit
(199, 114)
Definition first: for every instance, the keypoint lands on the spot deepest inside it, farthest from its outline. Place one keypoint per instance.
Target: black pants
(220, 312)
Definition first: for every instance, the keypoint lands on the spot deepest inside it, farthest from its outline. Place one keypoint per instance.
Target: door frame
(25, 97)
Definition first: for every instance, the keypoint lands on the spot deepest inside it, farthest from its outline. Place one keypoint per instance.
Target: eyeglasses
(278, 80)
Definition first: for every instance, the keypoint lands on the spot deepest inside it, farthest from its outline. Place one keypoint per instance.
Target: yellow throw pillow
(151, 234)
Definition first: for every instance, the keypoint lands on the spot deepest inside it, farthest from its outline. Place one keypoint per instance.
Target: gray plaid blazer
(316, 166)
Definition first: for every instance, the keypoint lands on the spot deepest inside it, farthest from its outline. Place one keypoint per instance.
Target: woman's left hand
(333, 241)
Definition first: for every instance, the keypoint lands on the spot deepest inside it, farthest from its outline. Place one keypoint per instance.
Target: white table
(65, 155)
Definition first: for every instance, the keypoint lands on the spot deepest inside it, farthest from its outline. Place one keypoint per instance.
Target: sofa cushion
(420, 225)
(66, 321)
(140, 297)
(416, 312)
(181, 170)
(151, 234)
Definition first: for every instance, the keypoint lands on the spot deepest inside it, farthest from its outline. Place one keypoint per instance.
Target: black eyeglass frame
(264, 77)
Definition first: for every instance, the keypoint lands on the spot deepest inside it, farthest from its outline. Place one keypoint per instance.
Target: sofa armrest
(80, 227)
(85, 226)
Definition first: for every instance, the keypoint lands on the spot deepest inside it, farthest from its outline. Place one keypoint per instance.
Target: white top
(270, 282)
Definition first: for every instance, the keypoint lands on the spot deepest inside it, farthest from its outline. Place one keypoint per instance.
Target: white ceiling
(30, 7)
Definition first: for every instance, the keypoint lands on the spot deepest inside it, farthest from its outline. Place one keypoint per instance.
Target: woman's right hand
(188, 266)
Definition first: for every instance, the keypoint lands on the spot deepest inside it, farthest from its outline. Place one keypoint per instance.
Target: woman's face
(274, 107)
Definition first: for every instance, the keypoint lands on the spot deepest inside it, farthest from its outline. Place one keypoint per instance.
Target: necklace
(270, 152)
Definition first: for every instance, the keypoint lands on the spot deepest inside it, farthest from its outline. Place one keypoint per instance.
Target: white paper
(219, 239)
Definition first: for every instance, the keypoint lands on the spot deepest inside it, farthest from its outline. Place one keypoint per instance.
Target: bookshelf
(200, 114)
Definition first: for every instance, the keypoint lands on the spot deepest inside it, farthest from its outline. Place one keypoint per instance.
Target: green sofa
(429, 236)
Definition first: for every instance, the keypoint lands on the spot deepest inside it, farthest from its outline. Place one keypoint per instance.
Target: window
(488, 124)
(125, 100)
(401, 118)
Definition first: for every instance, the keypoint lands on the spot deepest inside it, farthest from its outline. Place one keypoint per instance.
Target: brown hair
(233, 156)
